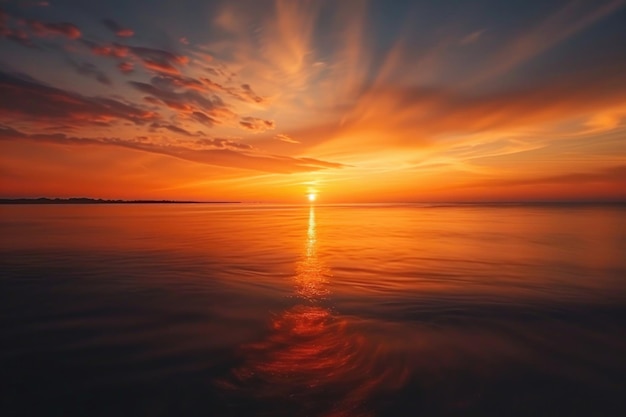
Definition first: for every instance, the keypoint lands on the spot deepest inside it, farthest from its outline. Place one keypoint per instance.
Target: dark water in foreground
(207, 310)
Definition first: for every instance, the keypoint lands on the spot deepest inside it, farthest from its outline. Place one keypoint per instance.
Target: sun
(312, 197)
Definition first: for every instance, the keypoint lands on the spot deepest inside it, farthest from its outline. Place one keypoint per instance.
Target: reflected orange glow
(311, 275)
(313, 355)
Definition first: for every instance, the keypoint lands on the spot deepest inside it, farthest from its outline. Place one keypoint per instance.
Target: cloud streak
(43, 29)
(256, 125)
(217, 152)
(30, 101)
(118, 29)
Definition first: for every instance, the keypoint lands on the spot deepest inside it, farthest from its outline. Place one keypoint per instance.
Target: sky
(353, 101)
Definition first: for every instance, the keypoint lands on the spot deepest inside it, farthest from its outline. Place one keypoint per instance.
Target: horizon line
(91, 200)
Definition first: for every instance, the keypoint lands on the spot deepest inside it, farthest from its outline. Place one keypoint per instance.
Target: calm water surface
(252, 310)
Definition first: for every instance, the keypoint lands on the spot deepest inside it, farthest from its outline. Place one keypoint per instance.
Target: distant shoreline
(102, 201)
(504, 204)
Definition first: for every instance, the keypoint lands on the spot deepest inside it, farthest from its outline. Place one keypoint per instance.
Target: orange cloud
(218, 152)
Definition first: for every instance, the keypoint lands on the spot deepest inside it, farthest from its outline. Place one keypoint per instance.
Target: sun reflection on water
(313, 359)
(311, 279)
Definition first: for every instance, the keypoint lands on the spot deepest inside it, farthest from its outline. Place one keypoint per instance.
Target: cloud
(28, 100)
(159, 60)
(90, 70)
(17, 35)
(36, 28)
(126, 67)
(112, 50)
(614, 174)
(250, 95)
(4, 18)
(69, 30)
(172, 128)
(171, 82)
(116, 28)
(216, 152)
(244, 93)
(187, 101)
(472, 37)
(224, 144)
(203, 118)
(286, 138)
(554, 29)
(416, 116)
(256, 125)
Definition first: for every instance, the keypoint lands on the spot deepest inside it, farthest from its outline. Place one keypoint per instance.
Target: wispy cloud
(472, 37)
(219, 152)
(90, 70)
(69, 30)
(118, 29)
(286, 138)
(29, 101)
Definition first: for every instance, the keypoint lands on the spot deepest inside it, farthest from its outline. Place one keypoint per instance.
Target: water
(252, 310)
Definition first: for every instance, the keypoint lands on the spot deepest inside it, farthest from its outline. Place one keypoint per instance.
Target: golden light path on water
(313, 359)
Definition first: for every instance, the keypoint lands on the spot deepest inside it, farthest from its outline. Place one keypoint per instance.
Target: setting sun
(312, 197)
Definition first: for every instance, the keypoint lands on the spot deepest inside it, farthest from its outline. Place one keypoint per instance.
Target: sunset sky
(355, 101)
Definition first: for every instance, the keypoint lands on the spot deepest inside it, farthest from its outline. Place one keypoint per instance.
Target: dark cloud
(203, 118)
(254, 124)
(170, 86)
(17, 35)
(217, 152)
(111, 50)
(126, 67)
(26, 99)
(250, 94)
(69, 30)
(156, 60)
(90, 70)
(244, 93)
(159, 60)
(187, 101)
(37, 28)
(171, 128)
(171, 82)
(224, 144)
(118, 29)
